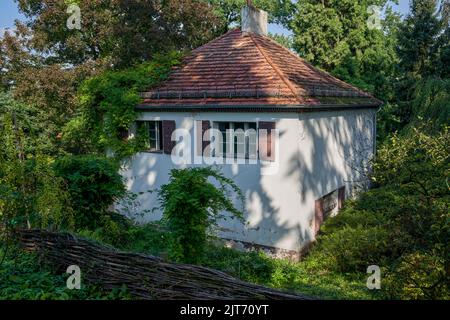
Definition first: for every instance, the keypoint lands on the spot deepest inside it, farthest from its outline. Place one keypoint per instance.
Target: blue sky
(9, 12)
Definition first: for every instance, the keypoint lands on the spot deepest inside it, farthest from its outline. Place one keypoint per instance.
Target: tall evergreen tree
(335, 35)
(418, 39)
(343, 37)
(423, 48)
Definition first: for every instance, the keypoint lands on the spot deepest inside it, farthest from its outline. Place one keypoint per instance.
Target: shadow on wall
(328, 149)
(328, 156)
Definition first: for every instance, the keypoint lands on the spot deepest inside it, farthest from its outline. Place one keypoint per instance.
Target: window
(240, 137)
(152, 131)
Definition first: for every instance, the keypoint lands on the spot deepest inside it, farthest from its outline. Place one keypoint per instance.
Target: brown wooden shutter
(267, 145)
(168, 127)
(202, 127)
(205, 127)
(341, 197)
(318, 215)
(198, 138)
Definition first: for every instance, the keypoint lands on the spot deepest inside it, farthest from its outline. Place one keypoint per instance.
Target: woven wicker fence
(146, 277)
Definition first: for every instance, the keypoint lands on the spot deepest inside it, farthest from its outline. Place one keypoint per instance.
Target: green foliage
(416, 161)
(108, 104)
(403, 224)
(22, 277)
(229, 11)
(94, 184)
(423, 41)
(118, 33)
(312, 276)
(355, 248)
(431, 103)
(334, 35)
(419, 38)
(30, 193)
(418, 275)
(192, 207)
(285, 41)
(326, 33)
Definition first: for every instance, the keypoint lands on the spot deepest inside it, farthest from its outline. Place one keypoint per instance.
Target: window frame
(158, 139)
(230, 125)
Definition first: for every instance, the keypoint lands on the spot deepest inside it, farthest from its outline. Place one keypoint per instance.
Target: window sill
(153, 151)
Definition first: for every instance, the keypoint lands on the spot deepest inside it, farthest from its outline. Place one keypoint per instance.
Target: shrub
(353, 249)
(403, 224)
(418, 275)
(192, 208)
(94, 184)
(24, 277)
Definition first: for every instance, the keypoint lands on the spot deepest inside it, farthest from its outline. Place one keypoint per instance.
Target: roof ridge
(274, 67)
(323, 72)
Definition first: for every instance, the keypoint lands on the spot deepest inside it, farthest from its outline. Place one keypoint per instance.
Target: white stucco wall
(318, 153)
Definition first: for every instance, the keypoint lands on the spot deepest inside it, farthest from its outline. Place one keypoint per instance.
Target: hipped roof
(248, 71)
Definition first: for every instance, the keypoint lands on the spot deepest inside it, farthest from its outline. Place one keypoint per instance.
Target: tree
(30, 194)
(44, 62)
(284, 40)
(431, 102)
(280, 11)
(335, 36)
(15, 55)
(423, 45)
(326, 32)
(419, 37)
(106, 108)
(120, 32)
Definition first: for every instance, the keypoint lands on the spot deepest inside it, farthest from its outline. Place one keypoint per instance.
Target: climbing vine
(107, 108)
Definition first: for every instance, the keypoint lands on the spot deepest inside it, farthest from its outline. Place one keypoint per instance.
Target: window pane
(239, 139)
(247, 145)
(223, 127)
(160, 146)
(153, 135)
(151, 132)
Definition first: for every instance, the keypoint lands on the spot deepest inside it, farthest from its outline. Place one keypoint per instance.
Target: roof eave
(254, 107)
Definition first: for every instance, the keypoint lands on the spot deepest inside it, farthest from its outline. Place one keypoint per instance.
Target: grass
(312, 276)
(22, 276)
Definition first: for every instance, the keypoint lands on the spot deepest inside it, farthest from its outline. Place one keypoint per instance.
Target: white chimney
(253, 20)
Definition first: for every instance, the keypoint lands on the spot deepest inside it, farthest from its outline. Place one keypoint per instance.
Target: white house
(308, 136)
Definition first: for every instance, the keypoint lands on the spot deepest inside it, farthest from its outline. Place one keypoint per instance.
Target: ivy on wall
(107, 108)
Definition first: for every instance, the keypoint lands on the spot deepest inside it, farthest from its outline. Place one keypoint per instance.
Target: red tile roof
(245, 69)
